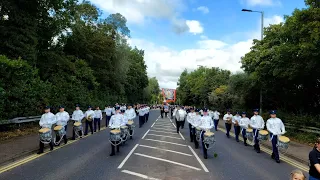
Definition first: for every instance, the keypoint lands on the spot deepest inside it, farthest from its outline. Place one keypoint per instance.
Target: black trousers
(41, 147)
(113, 148)
(196, 143)
(141, 119)
(182, 124)
(107, 120)
(191, 132)
(161, 112)
(88, 123)
(178, 124)
(74, 134)
(64, 138)
(205, 151)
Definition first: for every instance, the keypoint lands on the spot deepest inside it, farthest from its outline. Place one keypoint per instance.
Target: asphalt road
(156, 152)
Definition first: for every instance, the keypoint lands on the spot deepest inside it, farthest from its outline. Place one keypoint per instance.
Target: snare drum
(77, 126)
(60, 130)
(263, 135)
(208, 138)
(130, 124)
(249, 133)
(45, 135)
(115, 135)
(283, 142)
(198, 132)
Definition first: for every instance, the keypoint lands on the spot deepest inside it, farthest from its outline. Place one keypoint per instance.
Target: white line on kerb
(199, 160)
(174, 125)
(181, 136)
(127, 157)
(139, 175)
(165, 142)
(163, 132)
(165, 160)
(153, 124)
(145, 134)
(163, 136)
(160, 149)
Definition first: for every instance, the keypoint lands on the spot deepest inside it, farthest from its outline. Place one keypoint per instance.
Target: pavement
(156, 152)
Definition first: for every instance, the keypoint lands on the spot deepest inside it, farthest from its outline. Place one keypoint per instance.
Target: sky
(186, 34)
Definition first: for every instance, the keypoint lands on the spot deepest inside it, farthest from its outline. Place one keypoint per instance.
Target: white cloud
(167, 64)
(262, 2)
(273, 20)
(194, 26)
(203, 9)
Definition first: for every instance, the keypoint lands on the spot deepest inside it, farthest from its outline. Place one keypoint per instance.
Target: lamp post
(262, 14)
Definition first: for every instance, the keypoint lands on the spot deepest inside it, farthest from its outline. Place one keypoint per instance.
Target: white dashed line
(199, 160)
(163, 136)
(139, 175)
(160, 149)
(127, 157)
(145, 134)
(165, 142)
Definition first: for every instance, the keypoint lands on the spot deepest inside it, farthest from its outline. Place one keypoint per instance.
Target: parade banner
(169, 95)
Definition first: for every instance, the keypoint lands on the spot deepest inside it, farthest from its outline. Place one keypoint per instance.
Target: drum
(263, 135)
(124, 130)
(198, 132)
(45, 135)
(77, 126)
(208, 138)
(130, 124)
(283, 142)
(115, 135)
(249, 133)
(59, 130)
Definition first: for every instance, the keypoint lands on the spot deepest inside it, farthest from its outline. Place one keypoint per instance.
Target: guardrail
(19, 120)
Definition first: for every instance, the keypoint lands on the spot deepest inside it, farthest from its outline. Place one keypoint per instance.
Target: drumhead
(209, 134)
(44, 130)
(249, 130)
(57, 128)
(77, 124)
(284, 139)
(124, 127)
(130, 122)
(115, 131)
(263, 132)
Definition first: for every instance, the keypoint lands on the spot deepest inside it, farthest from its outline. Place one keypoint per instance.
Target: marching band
(120, 120)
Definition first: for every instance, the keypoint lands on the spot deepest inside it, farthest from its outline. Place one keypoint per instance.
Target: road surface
(156, 152)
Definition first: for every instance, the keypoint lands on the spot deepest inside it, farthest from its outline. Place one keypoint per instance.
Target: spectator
(314, 158)
(297, 175)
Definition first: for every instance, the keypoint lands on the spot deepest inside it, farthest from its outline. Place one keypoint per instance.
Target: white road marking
(153, 124)
(181, 136)
(165, 142)
(145, 134)
(177, 152)
(127, 157)
(163, 136)
(165, 160)
(199, 160)
(170, 120)
(158, 123)
(163, 132)
(139, 175)
(164, 129)
(164, 126)
(174, 125)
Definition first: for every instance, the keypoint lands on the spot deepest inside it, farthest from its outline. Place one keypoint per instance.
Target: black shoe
(258, 151)
(245, 144)
(278, 161)
(272, 156)
(205, 156)
(130, 137)
(112, 154)
(237, 140)
(39, 152)
(73, 138)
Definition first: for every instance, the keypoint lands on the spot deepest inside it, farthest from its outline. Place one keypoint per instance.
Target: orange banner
(169, 95)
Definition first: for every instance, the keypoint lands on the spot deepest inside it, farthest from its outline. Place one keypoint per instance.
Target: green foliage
(69, 54)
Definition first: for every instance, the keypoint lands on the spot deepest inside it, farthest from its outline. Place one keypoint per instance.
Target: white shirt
(98, 114)
(174, 112)
(181, 115)
(244, 122)
(62, 118)
(206, 122)
(147, 110)
(256, 122)
(275, 126)
(236, 118)
(190, 117)
(216, 115)
(89, 113)
(47, 120)
(124, 120)
(108, 111)
(141, 112)
(226, 116)
(130, 113)
(197, 120)
(77, 115)
(116, 121)
(113, 110)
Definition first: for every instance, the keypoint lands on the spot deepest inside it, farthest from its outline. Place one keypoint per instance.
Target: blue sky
(179, 34)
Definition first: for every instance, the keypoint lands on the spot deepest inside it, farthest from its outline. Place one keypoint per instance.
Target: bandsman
(228, 120)
(116, 122)
(97, 119)
(62, 118)
(244, 124)
(89, 115)
(206, 124)
(46, 121)
(257, 123)
(77, 116)
(235, 122)
(190, 119)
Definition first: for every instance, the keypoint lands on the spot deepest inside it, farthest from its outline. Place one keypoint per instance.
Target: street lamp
(262, 14)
